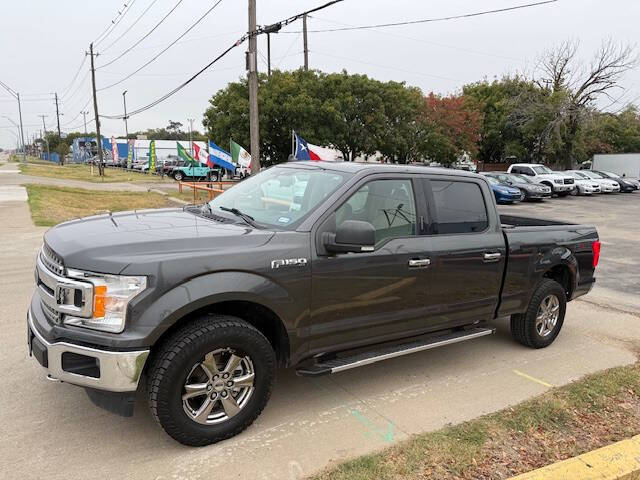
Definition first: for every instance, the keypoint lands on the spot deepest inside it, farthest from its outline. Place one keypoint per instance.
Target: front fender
(198, 292)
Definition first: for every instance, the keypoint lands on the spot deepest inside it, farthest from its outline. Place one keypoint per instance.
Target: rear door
(467, 251)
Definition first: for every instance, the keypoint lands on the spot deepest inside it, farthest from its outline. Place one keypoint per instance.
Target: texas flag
(304, 150)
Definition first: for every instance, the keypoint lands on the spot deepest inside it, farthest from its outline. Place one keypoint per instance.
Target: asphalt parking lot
(51, 430)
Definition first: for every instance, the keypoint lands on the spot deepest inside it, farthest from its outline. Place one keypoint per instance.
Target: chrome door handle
(492, 257)
(417, 263)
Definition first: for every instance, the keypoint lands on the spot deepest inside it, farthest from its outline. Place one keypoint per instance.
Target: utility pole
(16, 95)
(84, 114)
(24, 153)
(126, 127)
(57, 114)
(191, 120)
(95, 110)
(252, 64)
(306, 47)
(268, 54)
(45, 136)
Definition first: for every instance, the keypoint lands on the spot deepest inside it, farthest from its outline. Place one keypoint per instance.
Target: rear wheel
(210, 380)
(539, 326)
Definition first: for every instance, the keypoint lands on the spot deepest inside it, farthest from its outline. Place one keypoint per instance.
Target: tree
(577, 87)
(62, 149)
(452, 126)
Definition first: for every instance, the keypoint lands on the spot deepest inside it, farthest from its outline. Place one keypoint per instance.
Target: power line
(80, 85)
(68, 87)
(268, 28)
(145, 36)
(130, 27)
(429, 20)
(181, 86)
(164, 49)
(114, 23)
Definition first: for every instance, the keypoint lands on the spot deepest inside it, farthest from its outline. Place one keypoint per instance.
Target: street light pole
(126, 127)
(191, 120)
(24, 153)
(84, 114)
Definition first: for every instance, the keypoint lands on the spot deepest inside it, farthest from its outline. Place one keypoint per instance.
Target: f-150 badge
(289, 262)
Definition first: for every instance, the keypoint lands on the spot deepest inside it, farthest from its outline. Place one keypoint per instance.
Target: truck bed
(512, 221)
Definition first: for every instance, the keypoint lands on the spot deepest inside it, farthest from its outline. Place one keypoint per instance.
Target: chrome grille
(52, 261)
(50, 313)
(568, 181)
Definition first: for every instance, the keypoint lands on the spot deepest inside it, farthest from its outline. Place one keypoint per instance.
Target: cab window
(459, 206)
(389, 205)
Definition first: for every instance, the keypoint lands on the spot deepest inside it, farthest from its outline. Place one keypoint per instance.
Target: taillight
(596, 252)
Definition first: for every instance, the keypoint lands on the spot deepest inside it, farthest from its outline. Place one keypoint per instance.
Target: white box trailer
(624, 164)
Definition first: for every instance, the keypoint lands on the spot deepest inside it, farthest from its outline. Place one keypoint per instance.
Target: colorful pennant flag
(131, 143)
(152, 156)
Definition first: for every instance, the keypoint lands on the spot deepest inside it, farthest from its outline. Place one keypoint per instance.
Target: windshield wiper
(247, 218)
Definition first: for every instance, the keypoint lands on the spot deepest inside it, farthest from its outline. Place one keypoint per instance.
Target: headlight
(559, 180)
(111, 296)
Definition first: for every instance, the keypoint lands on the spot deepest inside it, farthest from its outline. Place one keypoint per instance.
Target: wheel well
(259, 316)
(547, 183)
(562, 275)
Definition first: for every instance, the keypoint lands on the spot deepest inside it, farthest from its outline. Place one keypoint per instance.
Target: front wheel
(210, 380)
(563, 194)
(539, 326)
(178, 176)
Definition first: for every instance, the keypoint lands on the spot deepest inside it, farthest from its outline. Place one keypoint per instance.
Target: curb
(620, 461)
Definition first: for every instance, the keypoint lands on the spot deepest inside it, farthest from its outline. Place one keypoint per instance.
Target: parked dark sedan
(626, 185)
(532, 191)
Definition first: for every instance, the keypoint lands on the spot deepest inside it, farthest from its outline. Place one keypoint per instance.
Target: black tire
(175, 359)
(178, 176)
(523, 325)
(563, 194)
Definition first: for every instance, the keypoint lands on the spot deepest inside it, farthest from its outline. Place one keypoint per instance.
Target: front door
(362, 298)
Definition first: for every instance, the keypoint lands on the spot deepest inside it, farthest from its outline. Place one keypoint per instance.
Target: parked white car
(584, 186)
(607, 185)
(560, 183)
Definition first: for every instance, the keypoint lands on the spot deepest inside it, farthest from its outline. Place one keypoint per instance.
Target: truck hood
(109, 243)
(553, 176)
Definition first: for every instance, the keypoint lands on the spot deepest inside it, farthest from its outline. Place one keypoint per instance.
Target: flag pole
(293, 142)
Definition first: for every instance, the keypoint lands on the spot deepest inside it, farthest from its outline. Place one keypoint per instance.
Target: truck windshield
(281, 196)
(542, 169)
(522, 178)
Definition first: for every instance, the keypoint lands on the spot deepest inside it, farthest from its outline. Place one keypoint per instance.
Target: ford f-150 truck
(317, 266)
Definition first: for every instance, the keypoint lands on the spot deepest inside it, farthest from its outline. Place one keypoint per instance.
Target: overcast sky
(43, 42)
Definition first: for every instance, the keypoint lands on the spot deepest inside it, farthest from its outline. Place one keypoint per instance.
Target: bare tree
(561, 71)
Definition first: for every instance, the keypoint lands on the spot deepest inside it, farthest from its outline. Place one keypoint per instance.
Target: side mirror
(352, 236)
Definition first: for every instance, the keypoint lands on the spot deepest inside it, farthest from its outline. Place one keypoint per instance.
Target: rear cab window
(459, 207)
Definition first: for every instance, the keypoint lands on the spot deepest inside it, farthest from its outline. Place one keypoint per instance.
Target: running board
(334, 365)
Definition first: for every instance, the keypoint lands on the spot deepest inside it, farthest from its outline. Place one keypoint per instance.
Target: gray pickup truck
(317, 266)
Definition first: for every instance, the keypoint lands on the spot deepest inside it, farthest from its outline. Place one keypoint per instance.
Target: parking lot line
(533, 379)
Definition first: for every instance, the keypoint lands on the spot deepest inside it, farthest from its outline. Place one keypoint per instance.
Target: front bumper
(557, 187)
(94, 368)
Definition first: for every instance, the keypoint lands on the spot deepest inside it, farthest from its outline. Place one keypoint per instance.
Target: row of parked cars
(535, 182)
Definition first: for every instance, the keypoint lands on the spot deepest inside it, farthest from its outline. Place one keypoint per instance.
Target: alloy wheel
(218, 387)
(547, 316)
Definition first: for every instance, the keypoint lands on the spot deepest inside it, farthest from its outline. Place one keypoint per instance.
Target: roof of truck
(358, 167)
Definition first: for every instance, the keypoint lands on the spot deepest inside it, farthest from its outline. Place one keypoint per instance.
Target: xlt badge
(289, 262)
